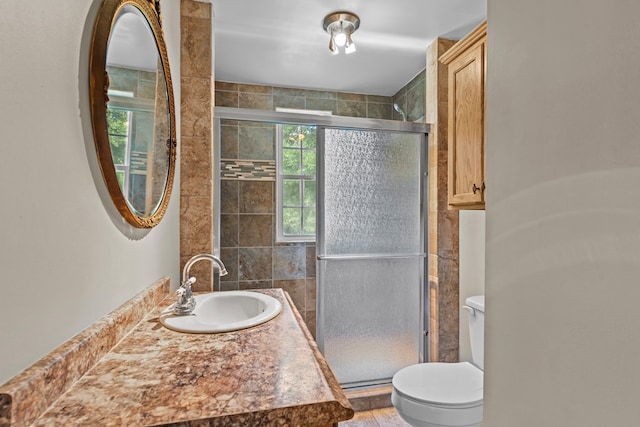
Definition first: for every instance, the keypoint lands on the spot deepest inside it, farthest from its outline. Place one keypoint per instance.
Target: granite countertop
(269, 375)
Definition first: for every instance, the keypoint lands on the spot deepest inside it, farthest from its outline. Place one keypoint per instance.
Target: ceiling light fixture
(340, 25)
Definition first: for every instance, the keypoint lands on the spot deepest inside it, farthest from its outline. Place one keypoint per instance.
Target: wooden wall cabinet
(467, 65)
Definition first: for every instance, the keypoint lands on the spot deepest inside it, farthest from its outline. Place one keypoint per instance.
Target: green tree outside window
(297, 182)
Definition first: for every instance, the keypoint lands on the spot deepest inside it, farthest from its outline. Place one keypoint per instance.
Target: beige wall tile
(229, 231)
(196, 179)
(229, 142)
(295, 289)
(196, 107)
(323, 94)
(289, 101)
(443, 223)
(249, 88)
(289, 262)
(229, 196)
(344, 96)
(196, 41)
(255, 230)
(310, 293)
(351, 108)
(254, 264)
(195, 225)
(289, 91)
(256, 142)
(229, 257)
(226, 99)
(322, 104)
(256, 197)
(257, 101)
(255, 284)
(195, 9)
(380, 99)
(196, 183)
(226, 86)
(379, 111)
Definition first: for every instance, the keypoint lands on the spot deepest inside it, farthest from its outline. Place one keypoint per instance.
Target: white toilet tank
(476, 329)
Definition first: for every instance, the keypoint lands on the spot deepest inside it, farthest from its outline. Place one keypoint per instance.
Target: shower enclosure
(371, 254)
(370, 242)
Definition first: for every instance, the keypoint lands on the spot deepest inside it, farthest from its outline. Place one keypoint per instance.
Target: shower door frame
(344, 122)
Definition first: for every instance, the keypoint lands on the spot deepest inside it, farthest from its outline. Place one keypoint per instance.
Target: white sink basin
(223, 312)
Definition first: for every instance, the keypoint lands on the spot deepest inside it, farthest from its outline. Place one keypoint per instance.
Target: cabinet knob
(481, 189)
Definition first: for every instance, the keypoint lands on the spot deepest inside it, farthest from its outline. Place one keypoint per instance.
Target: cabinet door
(466, 128)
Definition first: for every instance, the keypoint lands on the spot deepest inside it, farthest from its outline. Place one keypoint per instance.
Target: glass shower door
(370, 247)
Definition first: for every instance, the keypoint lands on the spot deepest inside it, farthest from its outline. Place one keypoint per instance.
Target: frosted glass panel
(369, 317)
(369, 273)
(371, 192)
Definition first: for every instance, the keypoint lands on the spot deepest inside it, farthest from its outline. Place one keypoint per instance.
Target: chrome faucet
(186, 302)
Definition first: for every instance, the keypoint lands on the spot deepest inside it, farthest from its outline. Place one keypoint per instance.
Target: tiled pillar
(196, 144)
(443, 223)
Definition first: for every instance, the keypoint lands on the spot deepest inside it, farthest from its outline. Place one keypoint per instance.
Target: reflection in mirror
(136, 148)
(136, 88)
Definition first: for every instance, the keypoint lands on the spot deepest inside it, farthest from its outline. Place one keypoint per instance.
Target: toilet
(445, 394)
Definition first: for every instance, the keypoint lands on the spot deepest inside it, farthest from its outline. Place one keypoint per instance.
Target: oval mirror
(132, 109)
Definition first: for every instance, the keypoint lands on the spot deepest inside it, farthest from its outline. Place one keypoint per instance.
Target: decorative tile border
(256, 170)
(138, 162)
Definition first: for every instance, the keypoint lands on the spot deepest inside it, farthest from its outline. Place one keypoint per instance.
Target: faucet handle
(186, 302)
(187, 284)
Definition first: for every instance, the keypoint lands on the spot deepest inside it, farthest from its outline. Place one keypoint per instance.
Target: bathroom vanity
(146, 374)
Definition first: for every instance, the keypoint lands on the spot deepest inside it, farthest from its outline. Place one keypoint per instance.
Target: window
(118, 120)
(296, 183)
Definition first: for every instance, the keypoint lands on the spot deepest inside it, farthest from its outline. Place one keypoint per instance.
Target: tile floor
(384, 417)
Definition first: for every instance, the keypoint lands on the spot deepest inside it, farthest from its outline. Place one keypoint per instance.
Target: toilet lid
(444, 384)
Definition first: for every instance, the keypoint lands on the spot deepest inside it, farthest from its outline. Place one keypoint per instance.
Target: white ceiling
(282, 42)
(131, 43)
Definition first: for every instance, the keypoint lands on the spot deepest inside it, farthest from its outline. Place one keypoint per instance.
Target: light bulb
(340, 38)
(350, 46)
(350, 49)
(332, 45)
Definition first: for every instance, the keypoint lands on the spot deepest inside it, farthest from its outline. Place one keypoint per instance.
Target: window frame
(281, 237)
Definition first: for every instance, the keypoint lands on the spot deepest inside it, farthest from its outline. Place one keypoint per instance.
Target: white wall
(64, 263)
(563, 214)
(471, 269)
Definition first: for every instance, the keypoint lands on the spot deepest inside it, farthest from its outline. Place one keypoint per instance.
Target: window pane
(308, 162)
(290, 161)
(291, 221)
(118, 125)
(309, 221)
(291, 136)
(309, 193)
(309, 140)
(118, 147)
(120, 177)
(291, 192)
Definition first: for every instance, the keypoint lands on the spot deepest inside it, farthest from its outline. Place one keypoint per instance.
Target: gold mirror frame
(99, 86)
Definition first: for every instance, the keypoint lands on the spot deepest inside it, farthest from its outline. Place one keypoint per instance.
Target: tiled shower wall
(247, 242)
(411, 99)
(259, 97)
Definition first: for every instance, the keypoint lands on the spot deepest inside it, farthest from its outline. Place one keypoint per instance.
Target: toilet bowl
(439, 394)
(445, 394)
